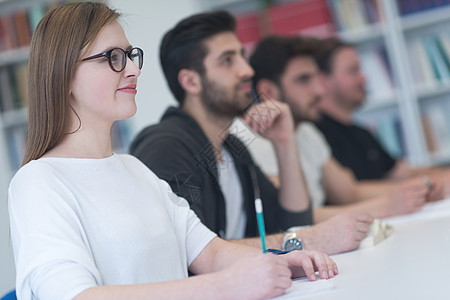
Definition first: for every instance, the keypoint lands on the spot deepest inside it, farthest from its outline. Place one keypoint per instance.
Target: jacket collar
(204, 156)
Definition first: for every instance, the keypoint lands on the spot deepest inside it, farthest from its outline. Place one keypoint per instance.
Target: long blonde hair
(54, 53)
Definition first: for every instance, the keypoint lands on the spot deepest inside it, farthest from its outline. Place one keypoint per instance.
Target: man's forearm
(273, 241)
(377, 207)
(311, 238)
(371, 188)
(326, 212)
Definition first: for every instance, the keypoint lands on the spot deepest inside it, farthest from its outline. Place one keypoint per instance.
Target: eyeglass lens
(118, 58)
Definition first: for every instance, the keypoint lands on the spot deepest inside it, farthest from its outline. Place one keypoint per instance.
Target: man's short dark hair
(326, 49)
(272, 55)
(183, 46)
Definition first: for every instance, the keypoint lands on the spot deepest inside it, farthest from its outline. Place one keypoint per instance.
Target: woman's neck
(83, 143)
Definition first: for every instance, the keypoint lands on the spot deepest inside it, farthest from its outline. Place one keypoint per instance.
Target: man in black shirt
(356, 148)
(353, 146)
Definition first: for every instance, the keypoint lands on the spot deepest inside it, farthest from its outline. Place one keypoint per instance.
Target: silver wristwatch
(292, 242)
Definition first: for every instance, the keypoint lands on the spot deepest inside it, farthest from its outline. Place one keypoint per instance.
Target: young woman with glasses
(87, 223)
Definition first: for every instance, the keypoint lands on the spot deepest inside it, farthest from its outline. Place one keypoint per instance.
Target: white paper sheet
(302, 287)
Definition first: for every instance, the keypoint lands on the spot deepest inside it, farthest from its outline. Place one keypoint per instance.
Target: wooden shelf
(13, 118)
(14, 56)
(363, 34)
(378, 103)
(439, 89)
(426, 18)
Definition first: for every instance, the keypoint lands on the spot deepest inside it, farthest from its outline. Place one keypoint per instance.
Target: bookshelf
(417, 86)
(396, 41)
(17, 22)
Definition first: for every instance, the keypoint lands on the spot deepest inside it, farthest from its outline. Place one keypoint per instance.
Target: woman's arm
(234, 271)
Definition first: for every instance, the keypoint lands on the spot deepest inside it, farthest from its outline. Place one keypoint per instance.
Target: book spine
(420, 58)
(5, 90)
(22, 28)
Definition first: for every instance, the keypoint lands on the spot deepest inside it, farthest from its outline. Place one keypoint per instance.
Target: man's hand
(406, 198)
(338, 234)
(272, 120)
(440, 182)
(307, 262)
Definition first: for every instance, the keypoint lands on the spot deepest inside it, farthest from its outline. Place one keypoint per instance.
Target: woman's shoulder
(136, 165)
(129, 159)
(139, 169)
(34, 177)
(30, 181)
(36, 169)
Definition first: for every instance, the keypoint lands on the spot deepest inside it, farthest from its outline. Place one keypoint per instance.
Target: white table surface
(413, 263)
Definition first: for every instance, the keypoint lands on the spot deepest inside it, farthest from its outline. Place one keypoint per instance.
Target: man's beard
(216, 101)
(351, 102)
(298, 114)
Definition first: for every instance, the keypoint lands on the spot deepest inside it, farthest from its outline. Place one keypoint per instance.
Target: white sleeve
(189, 227)
(52, 256)
(312, 142)
(326, 150)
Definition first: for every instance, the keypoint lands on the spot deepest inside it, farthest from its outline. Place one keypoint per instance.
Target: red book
(248, 30)
(2, 36)
(301, 16)
(9, 32)
(22, 28)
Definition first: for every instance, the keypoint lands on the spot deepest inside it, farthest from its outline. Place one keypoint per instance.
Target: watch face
(293, 244)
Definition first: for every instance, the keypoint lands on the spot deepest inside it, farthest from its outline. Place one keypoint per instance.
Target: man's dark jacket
(179, 152)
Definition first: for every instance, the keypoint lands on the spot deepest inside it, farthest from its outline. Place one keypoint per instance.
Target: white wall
(145, 22)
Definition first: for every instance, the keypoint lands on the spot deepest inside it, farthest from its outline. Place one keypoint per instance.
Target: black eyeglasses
(117, 58)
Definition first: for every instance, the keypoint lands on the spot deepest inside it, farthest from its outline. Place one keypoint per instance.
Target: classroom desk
(413, 263)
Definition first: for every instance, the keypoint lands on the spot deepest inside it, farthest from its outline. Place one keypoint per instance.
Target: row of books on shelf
(435, 118)
(406, 7)
(309, 17)
(436, 126)
(388, 130)
(354, 14)
(15, 140)
(430, 59)
(16, 28)
(13, 87)
(376, 67)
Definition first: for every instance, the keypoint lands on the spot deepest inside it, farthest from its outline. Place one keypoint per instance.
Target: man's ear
(190, 81)
(268, 88)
